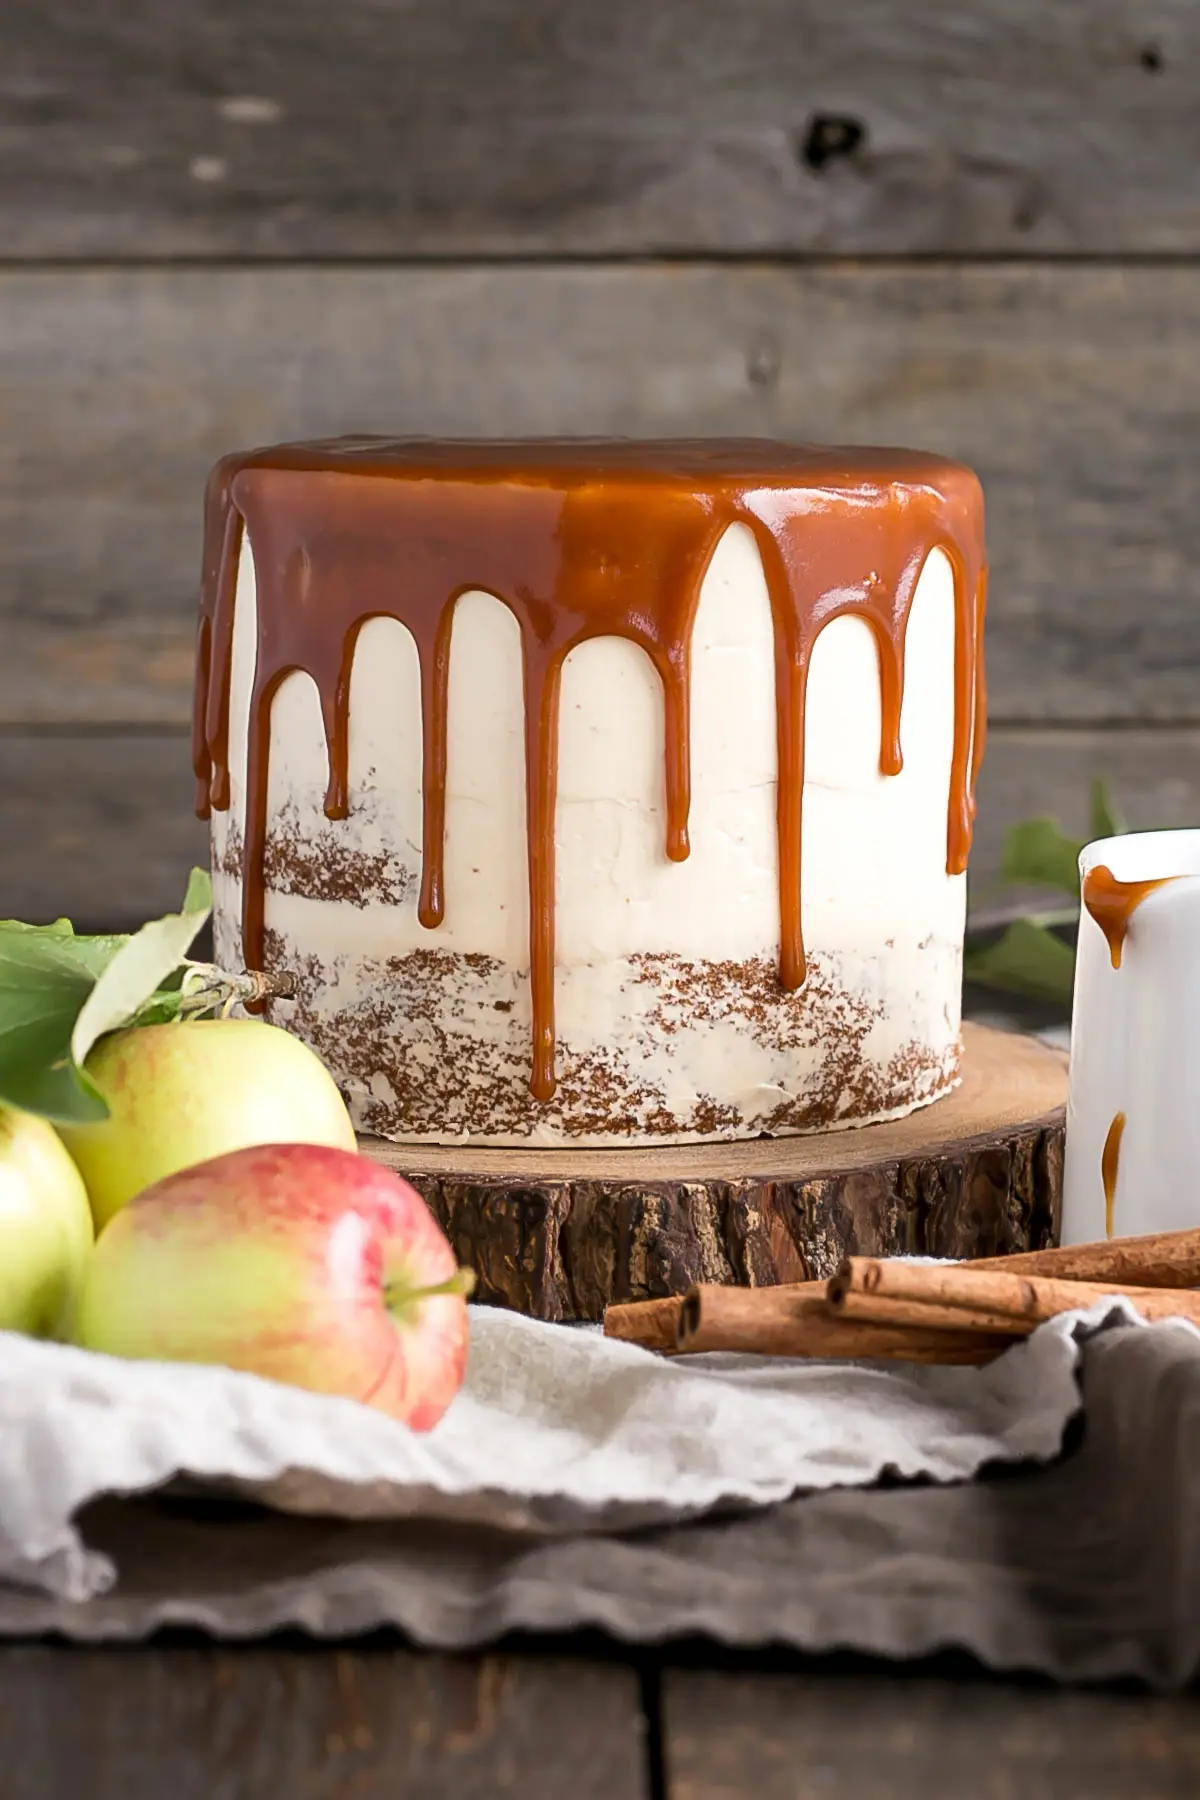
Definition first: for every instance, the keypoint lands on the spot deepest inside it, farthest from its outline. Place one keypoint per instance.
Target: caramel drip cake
(598, 792)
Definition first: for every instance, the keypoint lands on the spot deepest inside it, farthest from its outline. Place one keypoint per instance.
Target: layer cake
(598, 792)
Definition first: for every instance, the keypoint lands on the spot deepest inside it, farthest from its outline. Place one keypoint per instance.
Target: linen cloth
(1084, 1568)
(556, 1429)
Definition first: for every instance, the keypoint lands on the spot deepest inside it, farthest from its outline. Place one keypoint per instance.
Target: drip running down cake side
(598, 792)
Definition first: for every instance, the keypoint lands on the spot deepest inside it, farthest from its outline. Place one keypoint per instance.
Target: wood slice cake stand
(562, 1233)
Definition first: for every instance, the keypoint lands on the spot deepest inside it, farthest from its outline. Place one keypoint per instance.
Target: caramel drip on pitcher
(1112, 904)
(578, 539)
(1110, 1158)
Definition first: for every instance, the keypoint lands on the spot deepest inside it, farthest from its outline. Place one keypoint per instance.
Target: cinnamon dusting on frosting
(317, 864)
(422, 1050)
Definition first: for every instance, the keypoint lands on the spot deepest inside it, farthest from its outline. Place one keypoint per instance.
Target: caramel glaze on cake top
(579, 539)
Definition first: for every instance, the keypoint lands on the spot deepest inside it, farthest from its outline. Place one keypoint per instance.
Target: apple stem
(461, 1282)
(209, 990)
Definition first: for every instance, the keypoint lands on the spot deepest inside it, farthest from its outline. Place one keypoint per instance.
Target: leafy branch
(60, 993)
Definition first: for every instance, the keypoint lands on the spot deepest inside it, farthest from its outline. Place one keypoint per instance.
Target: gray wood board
(1154, 776)
(919, 1738)
(270, 1724)
(100, 826)
(1075, 391)
(375, 128)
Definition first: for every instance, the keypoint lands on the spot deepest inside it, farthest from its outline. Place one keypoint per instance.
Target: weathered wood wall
(379, 128)
(974, 228)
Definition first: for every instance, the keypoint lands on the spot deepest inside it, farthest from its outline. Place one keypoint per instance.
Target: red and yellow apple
(294, 1261)
(182, 1093)
(45, 1227)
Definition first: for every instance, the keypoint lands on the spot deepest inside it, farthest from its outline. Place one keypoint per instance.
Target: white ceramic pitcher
(1133, 1116)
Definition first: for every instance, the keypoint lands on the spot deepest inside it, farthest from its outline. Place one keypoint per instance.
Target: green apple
(45, 1228)
(182, 1093)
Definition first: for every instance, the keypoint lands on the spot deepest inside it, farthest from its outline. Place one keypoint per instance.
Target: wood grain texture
(563, 1234)
(100, 825)
(289, 128)
(267, 1723)
(99, 828)
(1074, 390)
(1154, 775)
(809, 1737)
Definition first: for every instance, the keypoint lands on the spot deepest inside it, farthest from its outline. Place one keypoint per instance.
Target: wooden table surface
(186, 1720)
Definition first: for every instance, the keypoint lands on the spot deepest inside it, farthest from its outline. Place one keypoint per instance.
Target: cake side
(671, 1019)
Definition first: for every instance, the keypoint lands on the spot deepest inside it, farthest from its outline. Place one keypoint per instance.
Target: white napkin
(556, 1429)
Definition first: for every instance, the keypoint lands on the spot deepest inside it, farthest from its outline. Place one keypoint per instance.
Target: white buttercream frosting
(688, 1056)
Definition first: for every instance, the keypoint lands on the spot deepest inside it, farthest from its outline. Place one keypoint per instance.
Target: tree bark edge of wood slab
(561, 1234)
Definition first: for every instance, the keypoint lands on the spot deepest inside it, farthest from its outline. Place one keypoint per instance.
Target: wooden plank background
(975, 229)
(380, 128)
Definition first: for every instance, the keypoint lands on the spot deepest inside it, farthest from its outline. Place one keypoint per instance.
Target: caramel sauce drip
(1110, 1157)
(1112, 904)
(579, 539)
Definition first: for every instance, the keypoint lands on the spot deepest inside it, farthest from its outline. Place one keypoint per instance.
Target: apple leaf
(1039, 852)
(166, 1004)
(1029, 959)
(132, 984)
(1107, 819)
(59, 992)
(43, 984)
(89, 954)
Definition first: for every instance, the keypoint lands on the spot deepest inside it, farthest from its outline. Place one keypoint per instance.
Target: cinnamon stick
(899, 1314)
(796, 1321)
(1160, 1259)
(654, 1324)
(912, 1294)
(1168, 1260)
(908, 1312)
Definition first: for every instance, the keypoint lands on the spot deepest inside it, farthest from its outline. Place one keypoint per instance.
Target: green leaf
(132, 984)
(61, 928)
(165, 1005)
(43, 985)
(199, 896)
(95, 953)
(162, 1008)
(1107, 820)
(60, 992)
(1029, 959)
(1039, 852)
(90, 954)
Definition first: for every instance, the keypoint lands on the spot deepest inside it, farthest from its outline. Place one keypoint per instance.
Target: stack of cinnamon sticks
(922, 1312)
